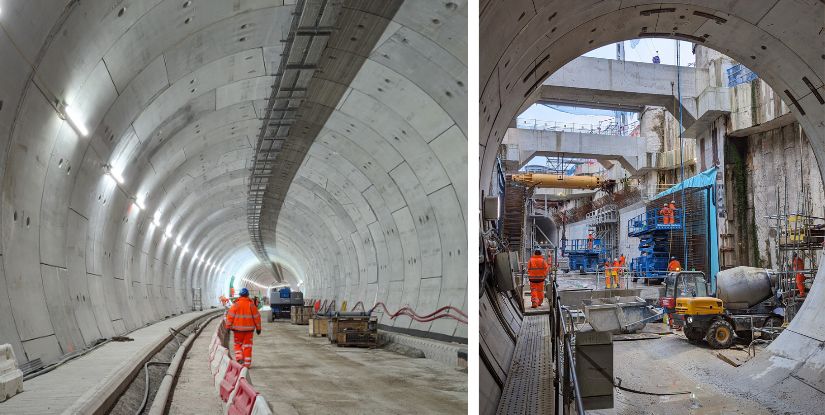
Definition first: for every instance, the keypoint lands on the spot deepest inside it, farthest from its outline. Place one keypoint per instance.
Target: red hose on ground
(409, 312)
(443, 312)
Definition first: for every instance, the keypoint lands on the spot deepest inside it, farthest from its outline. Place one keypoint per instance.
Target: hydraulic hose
(146, 384)
(407, 311)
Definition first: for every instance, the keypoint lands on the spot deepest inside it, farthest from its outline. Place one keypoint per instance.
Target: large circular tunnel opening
(537, 56)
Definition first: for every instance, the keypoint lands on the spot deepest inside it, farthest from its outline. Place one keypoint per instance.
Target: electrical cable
(618, 385)
(146, 384)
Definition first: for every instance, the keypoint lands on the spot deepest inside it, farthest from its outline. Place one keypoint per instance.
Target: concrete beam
(620, 85)
(630, 152)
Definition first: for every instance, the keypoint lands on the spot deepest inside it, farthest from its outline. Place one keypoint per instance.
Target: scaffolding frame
(797, 232)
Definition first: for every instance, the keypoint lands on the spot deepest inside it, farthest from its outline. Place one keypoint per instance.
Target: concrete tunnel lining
(172, 96)
(526, 42)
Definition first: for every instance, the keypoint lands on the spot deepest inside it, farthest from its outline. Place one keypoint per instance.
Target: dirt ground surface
(666, 374)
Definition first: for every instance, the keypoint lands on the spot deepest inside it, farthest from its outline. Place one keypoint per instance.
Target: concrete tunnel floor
(668, 363)
(299, 374)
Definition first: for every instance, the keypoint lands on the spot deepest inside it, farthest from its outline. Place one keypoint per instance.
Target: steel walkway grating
(529, 385)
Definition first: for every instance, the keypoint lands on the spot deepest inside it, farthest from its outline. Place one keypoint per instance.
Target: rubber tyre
(720, 334)
(693, 334)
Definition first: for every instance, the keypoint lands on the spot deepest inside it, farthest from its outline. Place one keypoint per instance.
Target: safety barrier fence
(231, 379)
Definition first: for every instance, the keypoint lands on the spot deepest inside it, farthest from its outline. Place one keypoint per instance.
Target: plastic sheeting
(706, 178)
(738, 74)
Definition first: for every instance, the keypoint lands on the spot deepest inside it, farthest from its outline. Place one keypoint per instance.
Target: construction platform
(529, 386)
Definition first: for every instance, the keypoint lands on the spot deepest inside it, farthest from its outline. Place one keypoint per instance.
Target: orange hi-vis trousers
(800, 284)
(243, 347)
(537, 293)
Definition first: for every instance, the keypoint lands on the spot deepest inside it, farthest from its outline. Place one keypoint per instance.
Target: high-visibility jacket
(674, 266)
(798, 264)
(621, 261)
(243, 316)
(537, 268)
(665, 212)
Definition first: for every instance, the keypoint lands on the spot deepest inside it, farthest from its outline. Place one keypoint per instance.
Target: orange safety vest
(665, 211)
(243, 316)
(621, 261)
(537, 268)
(674, 265)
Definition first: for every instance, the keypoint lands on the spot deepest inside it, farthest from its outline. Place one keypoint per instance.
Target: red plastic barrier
(244, 399)
(233, 372)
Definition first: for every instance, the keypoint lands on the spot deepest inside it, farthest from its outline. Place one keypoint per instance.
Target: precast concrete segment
(381, 192)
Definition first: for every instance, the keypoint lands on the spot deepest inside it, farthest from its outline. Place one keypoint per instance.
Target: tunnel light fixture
(116, 175)
(75, 120)
(177, 240)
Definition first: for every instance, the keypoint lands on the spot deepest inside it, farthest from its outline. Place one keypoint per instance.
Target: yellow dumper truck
(744, 302)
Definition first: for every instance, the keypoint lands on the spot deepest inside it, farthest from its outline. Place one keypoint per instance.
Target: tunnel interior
(781, 41)
(129, 132)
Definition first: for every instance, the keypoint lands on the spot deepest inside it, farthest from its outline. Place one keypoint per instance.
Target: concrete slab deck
(299, 374)
(81, 379)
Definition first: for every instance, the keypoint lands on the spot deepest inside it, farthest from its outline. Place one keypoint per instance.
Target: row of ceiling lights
(75, 119)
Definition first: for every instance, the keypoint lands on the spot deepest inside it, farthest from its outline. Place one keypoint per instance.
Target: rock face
(11, 378)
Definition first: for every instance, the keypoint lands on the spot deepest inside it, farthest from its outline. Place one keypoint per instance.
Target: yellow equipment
(704, 317)
(559, 182)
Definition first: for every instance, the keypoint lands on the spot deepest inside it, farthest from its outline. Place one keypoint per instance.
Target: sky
(643, 51)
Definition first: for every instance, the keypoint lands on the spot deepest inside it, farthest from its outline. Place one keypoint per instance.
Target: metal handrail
(562, 338)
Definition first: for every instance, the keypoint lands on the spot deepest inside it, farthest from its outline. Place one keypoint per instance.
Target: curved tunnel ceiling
(781, 40)
(172, 94)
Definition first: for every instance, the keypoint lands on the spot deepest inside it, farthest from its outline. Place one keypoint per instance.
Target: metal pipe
(559, 182)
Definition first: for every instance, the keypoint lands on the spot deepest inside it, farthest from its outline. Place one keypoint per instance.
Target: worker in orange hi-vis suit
(537, 269)
(243, 318)
(617, 272)
(672, 208)
(590, 240)
(614, 272)
(798, 264)
(666, 214)
(674, 265)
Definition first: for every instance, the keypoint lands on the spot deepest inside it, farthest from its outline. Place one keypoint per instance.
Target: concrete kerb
(99, 400)
(447, 353)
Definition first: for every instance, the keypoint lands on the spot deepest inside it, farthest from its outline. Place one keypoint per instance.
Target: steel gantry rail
(308, 35)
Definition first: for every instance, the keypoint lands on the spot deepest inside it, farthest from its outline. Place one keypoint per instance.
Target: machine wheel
(720, 334)
(693, 334)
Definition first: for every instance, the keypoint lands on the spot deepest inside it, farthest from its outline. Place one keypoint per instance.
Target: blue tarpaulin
(738, 74)
(706, 178)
